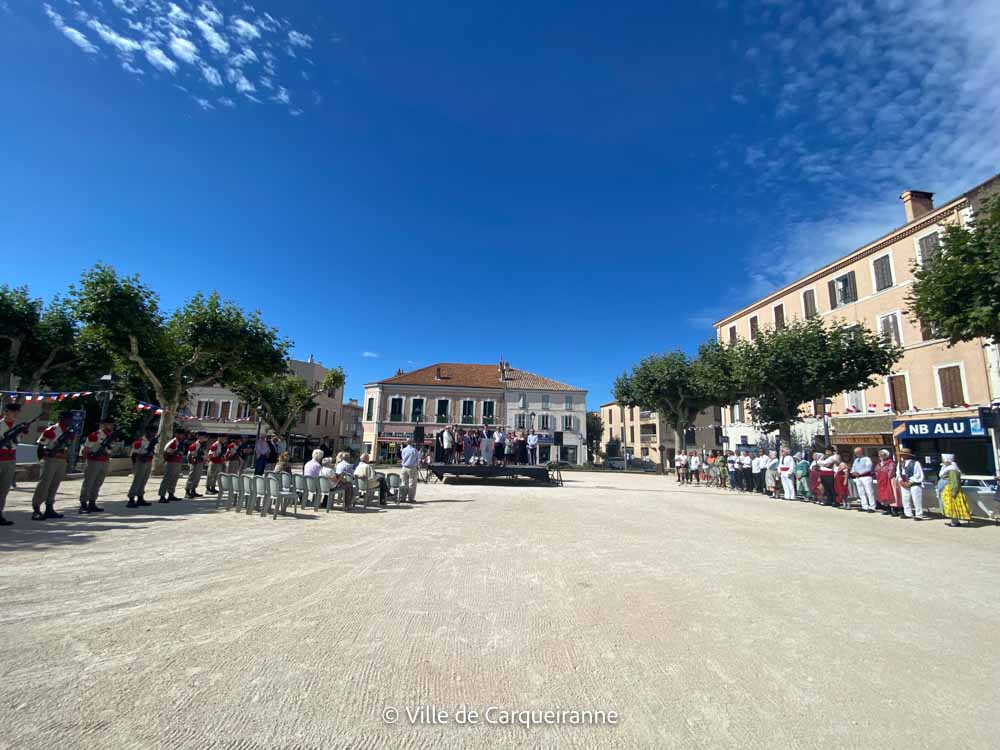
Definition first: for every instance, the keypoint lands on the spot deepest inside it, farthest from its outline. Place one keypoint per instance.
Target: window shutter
(929, 247)
(832, 286)
(951, 386)
(779, 317)
(809, 302)
(883, 273)
(852, 287)
(897, 393)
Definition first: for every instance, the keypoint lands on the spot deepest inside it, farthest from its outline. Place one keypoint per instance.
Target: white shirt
(826, 465)
(786, 465)
(499, 437)
(731, 462)
(695, 462)
(745, 462)
(862, 465)
(364, 471)
(755, 465)
(917, 471)
(344, 467)
(410, 457)
(532, 441)
(447, 439)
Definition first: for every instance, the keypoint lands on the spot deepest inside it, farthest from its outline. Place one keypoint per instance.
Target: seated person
(340, 479)
(284, 464)
(312, 467)
(365, 470)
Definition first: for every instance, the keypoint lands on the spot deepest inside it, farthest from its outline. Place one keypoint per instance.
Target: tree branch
(134, 356)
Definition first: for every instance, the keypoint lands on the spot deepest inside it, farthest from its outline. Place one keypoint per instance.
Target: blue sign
(932, 429)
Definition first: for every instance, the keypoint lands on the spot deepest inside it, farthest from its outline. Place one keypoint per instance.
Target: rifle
(114, 437)
(61, 442)
(10, 437)
(151, 448)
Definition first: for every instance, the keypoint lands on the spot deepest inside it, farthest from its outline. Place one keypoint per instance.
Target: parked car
(616, 463)
(980, 492)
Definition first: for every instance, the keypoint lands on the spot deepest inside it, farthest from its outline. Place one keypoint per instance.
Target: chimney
(437, 373)
(311, 360)
(917, 203)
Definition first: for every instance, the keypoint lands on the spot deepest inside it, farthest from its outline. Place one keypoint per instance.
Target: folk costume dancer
(216, 453)
(910, 474)
(786, 472)
(954, 504)
(862, 472)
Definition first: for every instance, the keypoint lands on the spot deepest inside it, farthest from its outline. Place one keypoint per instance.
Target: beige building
(471, 396)
(869, 286)
(351, 432)
(632, 432)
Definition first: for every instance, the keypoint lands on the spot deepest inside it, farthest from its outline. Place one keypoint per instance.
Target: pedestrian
(448, 443)
(173, 457)
(284, 463)
(694, 468)
(508, 457)
(53, 445)
(827, 468)
(439, 446)
(886, 484)
(802, 476)
(757, 467)
(770, 463)
(746, 472)
(910, 474)
(196, 464)
(680, 466)
(863, 473)
(261, 451)
(216, 456)
(842, 483)
(499, 445)
(141, 455)
(409, 473)
(786, 472)
(314, 466)
(522, 449)
(815, 479)
(468, 447)
(532, 447)
(486, 445)
(732, 467)
(10, 429)
(953, 502)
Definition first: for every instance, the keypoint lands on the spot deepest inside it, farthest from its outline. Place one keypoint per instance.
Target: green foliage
(283, 399)
(595, 429)
(807, 360)
(957, 292)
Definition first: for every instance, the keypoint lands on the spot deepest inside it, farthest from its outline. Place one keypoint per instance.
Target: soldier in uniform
(216, 452)
(53, 445)
(196, 465)
(96, 452)
(173, 456)
(142, 452)
(8, 455)
(234, 462)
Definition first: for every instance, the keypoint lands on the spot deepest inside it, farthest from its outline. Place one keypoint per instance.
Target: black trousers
(746, 480)
(829, 493)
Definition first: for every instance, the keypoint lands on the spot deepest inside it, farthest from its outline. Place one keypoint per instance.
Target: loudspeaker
(418, 434)
(557, 438)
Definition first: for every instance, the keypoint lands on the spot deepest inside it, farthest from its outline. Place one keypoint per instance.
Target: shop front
(965, 434)
(870, 432)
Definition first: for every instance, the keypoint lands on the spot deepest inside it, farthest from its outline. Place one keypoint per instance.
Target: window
(899, 400)
(718, 435)
(882, 267)
(443, 406)
(545, 422)
(809, 303)
(319, 416)
(753, 328)
(950, 381)
(396, 409)
(843, 290)
(631, 432)
(854, 402)
(417, 410)
(371, 409)
(569, 405)
(779, 317)
(732, 334)
(242, 410)
(545, 401)
(928, 248)
(567, 453)
(489, 412)
(568, 422)
(522, 401)
(468, 411)
(520, 421)
(888, 326)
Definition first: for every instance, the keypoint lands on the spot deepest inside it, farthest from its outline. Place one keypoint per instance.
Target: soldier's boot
(131, 503)
(93, 507)
(50, 512)
(37, 514)
(83, 508)
(165, 499)
(141, 502)
(172, 497)
(5, 522)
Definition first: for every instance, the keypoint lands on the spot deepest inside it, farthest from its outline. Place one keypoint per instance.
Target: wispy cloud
(212, 50)
(370, 355)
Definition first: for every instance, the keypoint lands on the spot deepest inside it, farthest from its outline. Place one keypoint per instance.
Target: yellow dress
(953, 499)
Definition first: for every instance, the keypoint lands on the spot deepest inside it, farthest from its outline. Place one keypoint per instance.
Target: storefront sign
(931, 429)
(863, 440)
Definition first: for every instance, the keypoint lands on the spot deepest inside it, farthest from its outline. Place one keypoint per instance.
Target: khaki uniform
(53, 466)
(141, 466)
(96, 470)
(234, 464)
(8, 463)
(196, 466)
(172, 454)
(215, 451)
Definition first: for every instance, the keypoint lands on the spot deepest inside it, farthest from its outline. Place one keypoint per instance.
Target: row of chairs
(273, 492)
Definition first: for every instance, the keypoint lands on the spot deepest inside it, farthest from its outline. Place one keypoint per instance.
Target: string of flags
(29, 396)
(143, 406)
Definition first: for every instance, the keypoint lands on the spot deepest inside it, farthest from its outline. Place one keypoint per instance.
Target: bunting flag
(41, 397)
(886, 408)
(872, 408)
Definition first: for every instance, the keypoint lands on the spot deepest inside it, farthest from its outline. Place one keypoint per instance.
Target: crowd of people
(486, 445)
(888, 485)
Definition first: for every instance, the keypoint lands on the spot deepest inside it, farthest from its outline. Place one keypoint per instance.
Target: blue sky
(395, 184)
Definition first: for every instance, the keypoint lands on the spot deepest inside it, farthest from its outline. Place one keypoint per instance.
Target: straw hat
(905, 452)
(947, 457)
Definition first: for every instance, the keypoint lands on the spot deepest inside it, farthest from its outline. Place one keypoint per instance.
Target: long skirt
(887, 492)
(813, 482)
(955, 504)
(770, 475)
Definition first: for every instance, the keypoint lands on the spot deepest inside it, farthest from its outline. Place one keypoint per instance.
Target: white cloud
(299, 39)
(370, 355)
(245, 29)
(178, 15)
(74, 35)
(183, 50)
(129, 68)
(245, 56)
(210, 13)
(236, 77)
(211, 75)
(225, 101)
(282, 95)
(203, 103)
(158, 58)
(123, 44)
(215, 40)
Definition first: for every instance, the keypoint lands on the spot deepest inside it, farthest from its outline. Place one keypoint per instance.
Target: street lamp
(106, 383)
(826, 421)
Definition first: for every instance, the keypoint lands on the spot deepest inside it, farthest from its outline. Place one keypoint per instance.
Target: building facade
(473, 395)
(633, 433)
(932, 381)
(350, 427)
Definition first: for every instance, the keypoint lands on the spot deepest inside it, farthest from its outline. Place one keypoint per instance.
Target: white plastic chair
(279, 496)
(395, 483)
(299, 483)
(246, 493)
(259, 492)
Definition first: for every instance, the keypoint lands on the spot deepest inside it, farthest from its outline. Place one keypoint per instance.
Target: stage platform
(537, 473)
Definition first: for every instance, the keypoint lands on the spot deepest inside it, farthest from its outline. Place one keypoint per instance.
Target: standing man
(196, 464)
(910, 474)
(53, 445)
(141, 454)
(9, 432)
(173, 457)
(232, 455)
(732, 464)
(827, 467)
(757, 464)
(216, 455)
(96, 452)
(499, 444)
(786, 472)
(694, 468)
(680, 462)
(448, 443)
(532, 448)
(746, 472)
(862, 471)
(410, 472)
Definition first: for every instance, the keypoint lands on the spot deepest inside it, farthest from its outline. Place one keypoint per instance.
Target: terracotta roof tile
(477, 376)
(532, 382)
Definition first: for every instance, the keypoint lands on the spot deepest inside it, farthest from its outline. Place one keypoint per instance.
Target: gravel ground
(704, 619)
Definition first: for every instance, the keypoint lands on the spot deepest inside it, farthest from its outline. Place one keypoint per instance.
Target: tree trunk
(785, 433)
(678, 442)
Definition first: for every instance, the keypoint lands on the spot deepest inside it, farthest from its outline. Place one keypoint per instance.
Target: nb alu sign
(929, 429)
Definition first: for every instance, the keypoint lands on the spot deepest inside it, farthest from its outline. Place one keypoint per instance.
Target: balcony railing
(442, 419)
